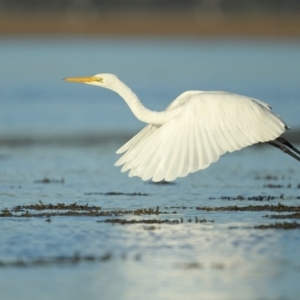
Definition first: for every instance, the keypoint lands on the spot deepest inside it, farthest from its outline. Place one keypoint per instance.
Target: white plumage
(193, 132)
(209, 125)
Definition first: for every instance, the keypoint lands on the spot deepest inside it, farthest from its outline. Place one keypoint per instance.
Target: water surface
(226, 257)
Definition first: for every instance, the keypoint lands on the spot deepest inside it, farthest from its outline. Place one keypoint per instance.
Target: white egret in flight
(194, 130)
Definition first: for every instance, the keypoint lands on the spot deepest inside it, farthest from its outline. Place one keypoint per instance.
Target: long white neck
(138, 109)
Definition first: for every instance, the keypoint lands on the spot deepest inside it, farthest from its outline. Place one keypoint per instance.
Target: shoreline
(153, 23)
(92, 139)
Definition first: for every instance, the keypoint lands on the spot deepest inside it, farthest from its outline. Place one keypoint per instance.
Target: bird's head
(102, 80)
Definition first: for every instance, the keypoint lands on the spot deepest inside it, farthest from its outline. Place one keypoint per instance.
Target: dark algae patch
(151, 221)
(116, 194)
(59, 206)
(252, 198)
(50, 210)
(63, 260)
(284, 225)
(284, 216)
(48, 180)
(276, 208)
(146, 219)
(154, 221)
(267, 177)
(62, 209)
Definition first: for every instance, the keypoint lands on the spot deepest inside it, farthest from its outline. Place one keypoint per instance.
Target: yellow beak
(83, 79)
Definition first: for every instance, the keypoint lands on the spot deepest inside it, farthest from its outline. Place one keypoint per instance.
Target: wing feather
(210, 147)
(153, 153)
(143, 134)
(183, 158)
(191, 142)
(209, 125)
(204, 143)
(172, 163)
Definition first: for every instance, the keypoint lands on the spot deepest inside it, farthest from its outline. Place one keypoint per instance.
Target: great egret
(194, 130)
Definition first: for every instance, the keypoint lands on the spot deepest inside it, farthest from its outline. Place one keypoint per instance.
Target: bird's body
(193, 132)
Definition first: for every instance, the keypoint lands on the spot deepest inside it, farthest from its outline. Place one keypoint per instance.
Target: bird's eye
(99, 79)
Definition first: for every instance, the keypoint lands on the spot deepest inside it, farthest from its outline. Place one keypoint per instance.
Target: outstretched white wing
(209, 125)
(149, 129)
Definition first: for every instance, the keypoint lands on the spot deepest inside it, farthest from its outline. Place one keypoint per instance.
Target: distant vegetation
(202, 5)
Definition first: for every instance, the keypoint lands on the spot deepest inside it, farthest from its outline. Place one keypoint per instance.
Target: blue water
(34, 98)
(224, 259)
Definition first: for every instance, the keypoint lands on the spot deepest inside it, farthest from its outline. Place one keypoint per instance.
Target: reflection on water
(224, 259)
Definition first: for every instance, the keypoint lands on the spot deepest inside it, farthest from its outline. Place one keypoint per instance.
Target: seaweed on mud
(146, 221)
(59, 206)
(63, 214)
(147, 211)
(284, 225)
(252, 198)
(285, 216)
(179, 207)
(58, 260)
(6, 213)
(62, 209)
(115, 194)
(276, 208)
(153, 221)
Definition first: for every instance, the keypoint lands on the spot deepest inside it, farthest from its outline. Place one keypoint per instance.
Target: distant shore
(89, 139)
(186, 23)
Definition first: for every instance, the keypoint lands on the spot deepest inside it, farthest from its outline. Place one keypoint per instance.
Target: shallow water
(75, 257)
(223, 259)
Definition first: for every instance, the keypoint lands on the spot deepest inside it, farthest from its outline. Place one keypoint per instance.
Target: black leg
(284, 149)
(288, 144)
